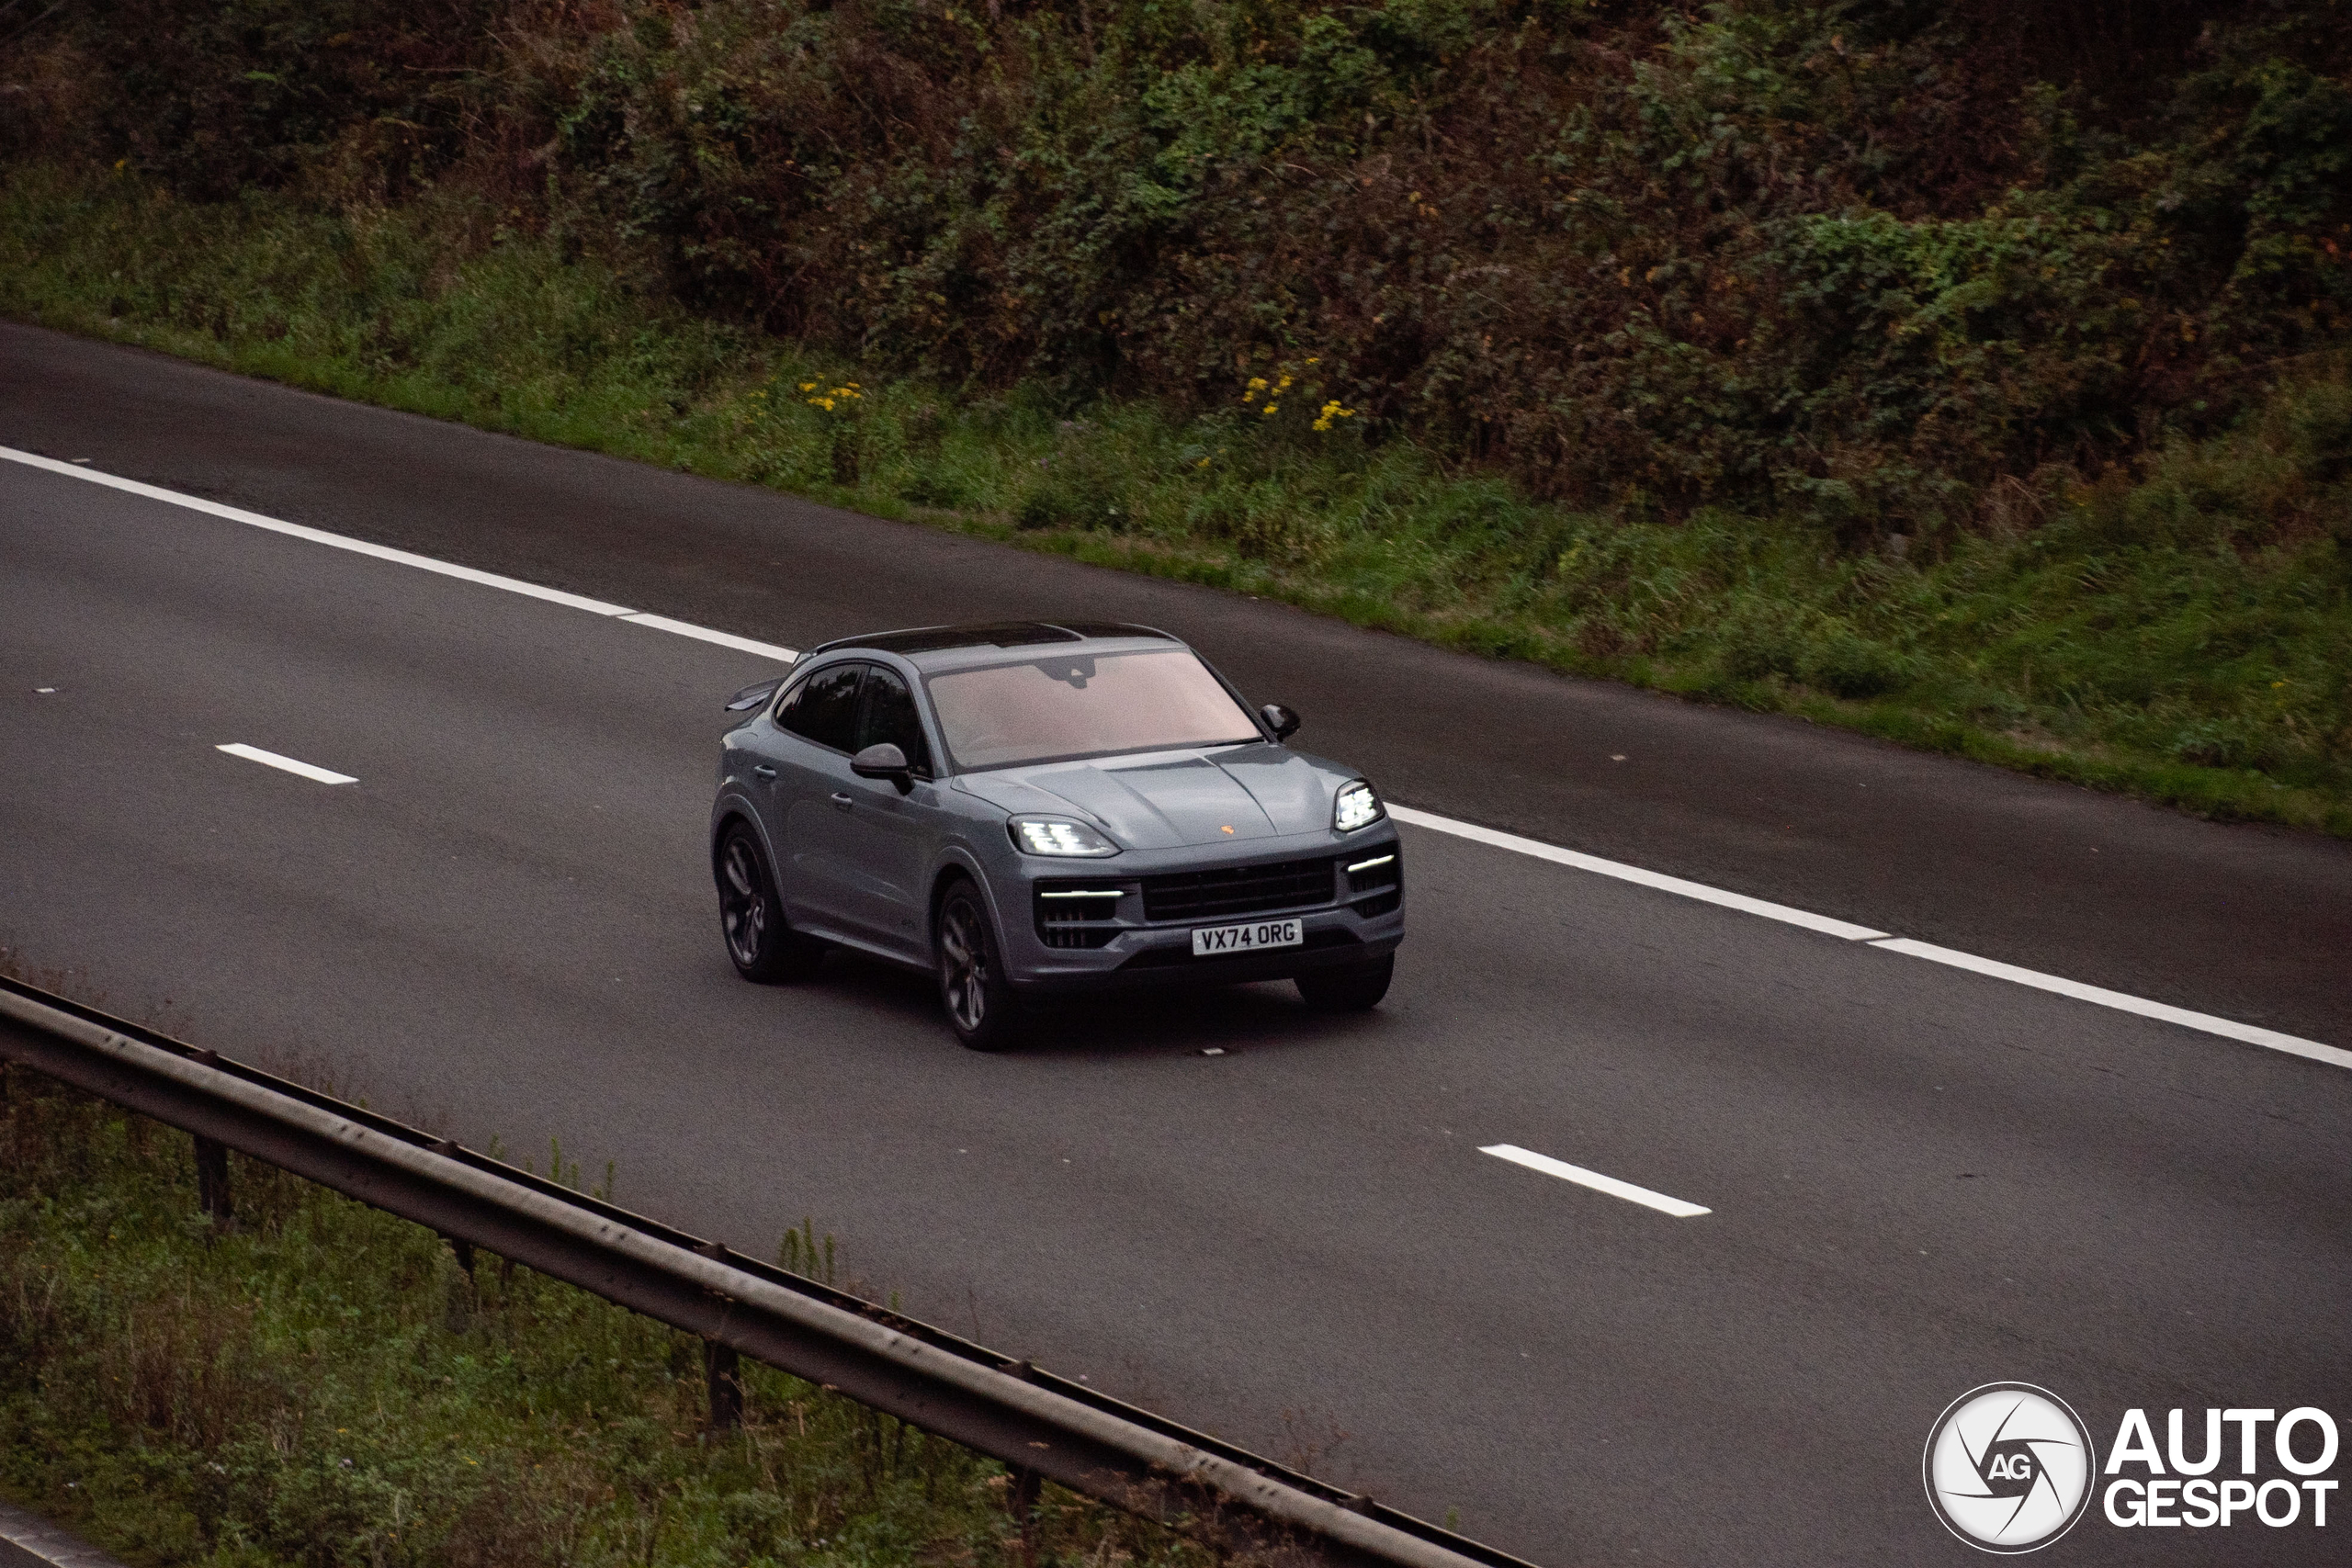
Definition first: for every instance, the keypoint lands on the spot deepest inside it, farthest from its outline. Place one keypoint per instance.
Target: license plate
(1208, 941)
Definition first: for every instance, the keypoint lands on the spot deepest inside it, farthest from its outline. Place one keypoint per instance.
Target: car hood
(1158, 800)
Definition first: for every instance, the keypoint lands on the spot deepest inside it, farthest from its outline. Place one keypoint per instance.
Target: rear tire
(751, 916)
(972, 988)
(1356, 988)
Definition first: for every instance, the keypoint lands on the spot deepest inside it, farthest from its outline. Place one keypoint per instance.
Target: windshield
(1084, 706)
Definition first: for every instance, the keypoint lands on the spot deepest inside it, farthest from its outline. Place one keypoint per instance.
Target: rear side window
(824, 707)
(891, 716)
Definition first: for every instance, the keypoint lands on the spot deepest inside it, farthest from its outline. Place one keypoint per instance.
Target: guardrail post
(723, 1372)
(458, 1245)
(212, 1181)
(722, 1369)
(213, 1167)
(1021, 1495)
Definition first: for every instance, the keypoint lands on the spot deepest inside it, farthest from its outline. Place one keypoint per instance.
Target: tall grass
(2181, 628)
(324, 1385)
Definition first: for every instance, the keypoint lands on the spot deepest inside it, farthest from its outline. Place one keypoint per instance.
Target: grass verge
(2183, 633)
(324, 1386)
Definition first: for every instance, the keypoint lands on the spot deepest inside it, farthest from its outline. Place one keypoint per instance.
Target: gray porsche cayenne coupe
(1026, 808)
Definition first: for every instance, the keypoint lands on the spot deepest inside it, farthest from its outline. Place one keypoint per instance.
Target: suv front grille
(1237, 890)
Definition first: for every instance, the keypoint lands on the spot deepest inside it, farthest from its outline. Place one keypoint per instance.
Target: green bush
(1861, 260)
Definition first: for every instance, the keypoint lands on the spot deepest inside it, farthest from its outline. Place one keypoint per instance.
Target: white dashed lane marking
(1594, 1180)
(272, 759)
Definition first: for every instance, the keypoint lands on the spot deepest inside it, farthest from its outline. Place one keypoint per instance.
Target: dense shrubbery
(1879, 263)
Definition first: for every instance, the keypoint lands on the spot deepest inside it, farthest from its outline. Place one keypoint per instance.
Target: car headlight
(1356, 808)
(1047, 835)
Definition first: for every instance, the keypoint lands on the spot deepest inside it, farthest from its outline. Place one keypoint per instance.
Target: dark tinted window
(824, 707)
(891, 716)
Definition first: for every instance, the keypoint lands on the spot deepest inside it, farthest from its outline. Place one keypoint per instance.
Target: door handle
(764, 771)
(843, 801)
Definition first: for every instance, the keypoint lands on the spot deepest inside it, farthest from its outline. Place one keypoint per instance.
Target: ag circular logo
(2009, 1467)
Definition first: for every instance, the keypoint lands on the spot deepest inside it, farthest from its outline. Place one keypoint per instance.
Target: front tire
(751, 916)
(972, 986)
(1356, 988)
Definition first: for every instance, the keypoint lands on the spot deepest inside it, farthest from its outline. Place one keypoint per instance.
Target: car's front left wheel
(751, 915)
(972, 986)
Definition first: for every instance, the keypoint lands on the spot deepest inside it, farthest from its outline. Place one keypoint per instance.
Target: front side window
(890, 717)
(1091, 705)
(824, 708)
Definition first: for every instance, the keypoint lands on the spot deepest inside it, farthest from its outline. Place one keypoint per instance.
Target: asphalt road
(1921, 1179)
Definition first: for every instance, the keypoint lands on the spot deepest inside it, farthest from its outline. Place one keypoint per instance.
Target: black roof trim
(988, 633)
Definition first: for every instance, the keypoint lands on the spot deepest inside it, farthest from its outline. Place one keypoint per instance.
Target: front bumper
(1130, 922)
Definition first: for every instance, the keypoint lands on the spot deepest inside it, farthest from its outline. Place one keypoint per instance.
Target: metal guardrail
(1037, 1423)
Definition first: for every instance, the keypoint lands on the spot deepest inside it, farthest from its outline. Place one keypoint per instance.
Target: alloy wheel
(744, 903)
(964, 957)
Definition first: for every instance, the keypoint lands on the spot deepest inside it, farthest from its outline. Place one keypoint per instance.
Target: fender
(956, 856)
(733, 803)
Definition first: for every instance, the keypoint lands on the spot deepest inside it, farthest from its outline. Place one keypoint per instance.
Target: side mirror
(1280, 719)
(751, 697)
(884, 761)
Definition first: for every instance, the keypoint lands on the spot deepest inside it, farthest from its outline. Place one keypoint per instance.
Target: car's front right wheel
(751, 915)
(972, 986)
(1354, 988)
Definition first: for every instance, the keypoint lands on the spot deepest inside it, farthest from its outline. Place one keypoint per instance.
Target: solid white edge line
(316, 536)
(404, 558)
(704, 634)
(2251, 1035)
(272, 759)
(2121, 1001)
(1594, 1180)
(1635, 873)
